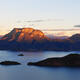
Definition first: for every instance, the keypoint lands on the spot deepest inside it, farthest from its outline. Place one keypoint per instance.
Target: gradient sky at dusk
(41, 14)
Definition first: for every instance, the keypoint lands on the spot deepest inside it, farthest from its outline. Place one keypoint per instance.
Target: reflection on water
(25, 72)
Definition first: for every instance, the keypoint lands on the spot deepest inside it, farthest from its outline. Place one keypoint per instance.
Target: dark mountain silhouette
(29, 39)
(75, 37)
(71, 60)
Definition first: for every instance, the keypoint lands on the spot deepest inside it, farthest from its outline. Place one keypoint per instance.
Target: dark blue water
(25, 72)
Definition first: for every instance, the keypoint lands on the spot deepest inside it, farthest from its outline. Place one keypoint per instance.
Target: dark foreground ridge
(9, 63)
(71, 60)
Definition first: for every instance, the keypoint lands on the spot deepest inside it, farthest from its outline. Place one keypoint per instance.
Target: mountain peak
(75, 37)
(24, 34)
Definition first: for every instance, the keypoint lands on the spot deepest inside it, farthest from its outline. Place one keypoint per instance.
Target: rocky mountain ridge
(24, 34)
(24, 39)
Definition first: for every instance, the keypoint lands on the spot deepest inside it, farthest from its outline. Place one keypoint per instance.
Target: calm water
(25, 72)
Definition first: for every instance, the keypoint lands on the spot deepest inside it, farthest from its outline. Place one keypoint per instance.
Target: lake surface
(25, 72)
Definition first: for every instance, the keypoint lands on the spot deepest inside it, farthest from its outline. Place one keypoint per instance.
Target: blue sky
(41, 14)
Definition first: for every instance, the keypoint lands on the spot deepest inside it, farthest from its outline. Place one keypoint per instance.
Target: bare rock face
(24, 34)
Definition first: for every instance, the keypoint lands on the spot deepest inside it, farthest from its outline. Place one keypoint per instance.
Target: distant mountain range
(29, 39)
(56, 37)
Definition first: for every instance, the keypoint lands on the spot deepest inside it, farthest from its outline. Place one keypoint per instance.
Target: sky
(40, 14)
